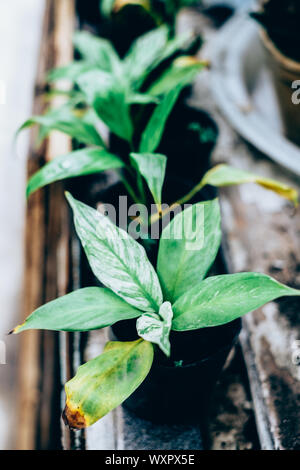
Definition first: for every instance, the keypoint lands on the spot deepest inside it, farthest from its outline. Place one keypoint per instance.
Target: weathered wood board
(261, 233)
(46, 258)
(19, 56)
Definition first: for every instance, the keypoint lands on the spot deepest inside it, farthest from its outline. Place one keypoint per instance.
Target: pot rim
(286, 62)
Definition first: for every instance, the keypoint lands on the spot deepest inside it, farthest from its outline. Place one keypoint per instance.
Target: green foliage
(154, 130)
(82, 310)
(97, 52)
(77, 163)
(221, 299)
(188, 247)
(182, 71)
(225, 175)
(107, 94)
(156, 327)
(116, 259)
(146, 53)
(106, 90)
(80, 125)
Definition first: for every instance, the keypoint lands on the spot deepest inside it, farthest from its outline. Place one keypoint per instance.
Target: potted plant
(186, 322)
(280, 37)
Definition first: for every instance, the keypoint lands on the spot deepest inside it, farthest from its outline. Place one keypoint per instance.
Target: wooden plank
(46, 262)
(263, 235)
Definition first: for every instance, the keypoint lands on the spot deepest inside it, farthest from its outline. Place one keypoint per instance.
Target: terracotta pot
(285, 71)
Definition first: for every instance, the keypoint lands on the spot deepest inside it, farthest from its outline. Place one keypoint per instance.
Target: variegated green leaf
(106, 7)
(78, 163)
(221, 299)
(156, 327)
(188, 247)
(107, 94)
(85, 309)
(105, 382)
(141, 98)
(144, 54)
(80, 126)
(97, 51)
(69, 72)
(181, 72)
(118, 261)
(152, 167)
(152, 134)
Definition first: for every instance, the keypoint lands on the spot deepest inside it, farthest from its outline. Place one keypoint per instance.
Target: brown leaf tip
(73, 418)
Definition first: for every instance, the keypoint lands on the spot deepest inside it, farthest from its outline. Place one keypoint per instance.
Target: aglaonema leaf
(69, 72)
(78, 126)
(149, 50)
(152, 167)
(105, 382)
(156, 327)
(97, 51)
(153, 132)
(188, 247)
(141, 98)
(144, 54)
(220, 299)
(225, 175)
(181, 72)
(78, 163)
(85, 309)
(116, 259)
(107, 94)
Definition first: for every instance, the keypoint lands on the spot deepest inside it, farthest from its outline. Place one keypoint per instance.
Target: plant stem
(140, 185)
(130, 190)
(180, 201)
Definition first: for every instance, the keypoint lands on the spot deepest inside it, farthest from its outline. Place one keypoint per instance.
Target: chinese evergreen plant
(176, 295)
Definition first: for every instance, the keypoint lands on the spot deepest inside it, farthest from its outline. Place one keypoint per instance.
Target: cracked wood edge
(46, 265)
(262, 234)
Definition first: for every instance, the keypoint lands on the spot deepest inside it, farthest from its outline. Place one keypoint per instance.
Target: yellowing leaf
(105, 382)
(225, 175)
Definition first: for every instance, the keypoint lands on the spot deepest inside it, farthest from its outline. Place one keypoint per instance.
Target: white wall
(20, 32)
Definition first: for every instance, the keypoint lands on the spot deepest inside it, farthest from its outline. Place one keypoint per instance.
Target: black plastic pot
(178, 390)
